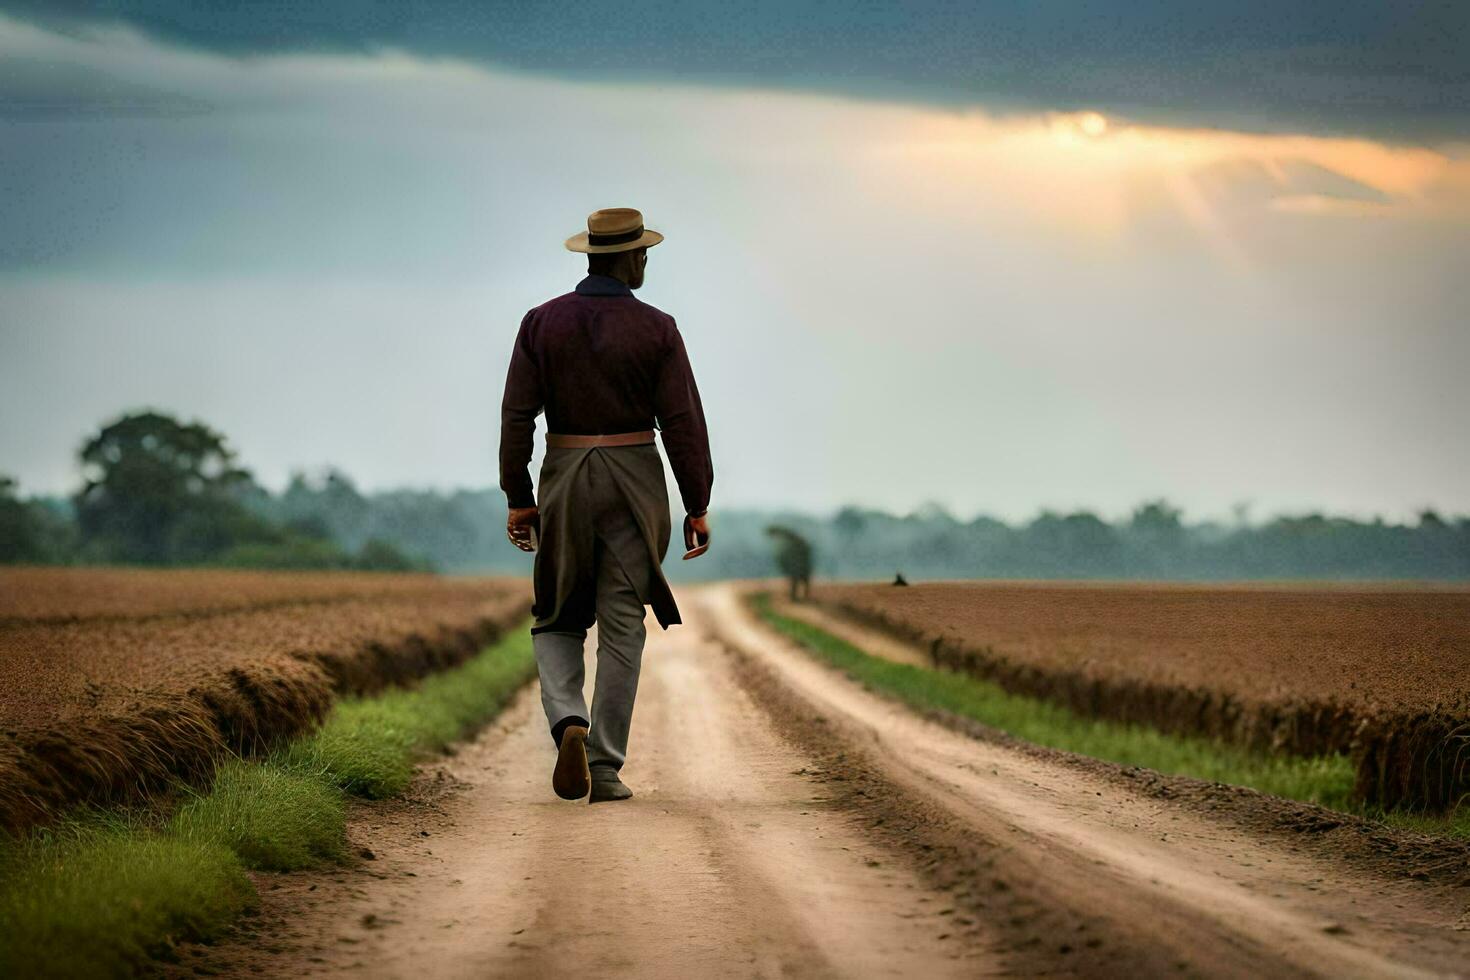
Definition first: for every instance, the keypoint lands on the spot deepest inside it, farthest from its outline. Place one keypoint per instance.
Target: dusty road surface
(788, 823)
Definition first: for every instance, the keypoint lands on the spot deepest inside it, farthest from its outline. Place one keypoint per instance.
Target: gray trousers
(622, 575)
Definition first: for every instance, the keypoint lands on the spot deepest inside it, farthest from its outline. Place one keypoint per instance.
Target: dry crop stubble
(153, 676)
(31, 595)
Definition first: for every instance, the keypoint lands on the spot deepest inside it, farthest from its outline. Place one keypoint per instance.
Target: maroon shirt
(599, 361)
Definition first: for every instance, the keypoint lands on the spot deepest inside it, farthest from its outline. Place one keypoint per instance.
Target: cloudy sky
(1001, 256)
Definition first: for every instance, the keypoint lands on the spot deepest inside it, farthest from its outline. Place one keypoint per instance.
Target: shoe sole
(571, 779)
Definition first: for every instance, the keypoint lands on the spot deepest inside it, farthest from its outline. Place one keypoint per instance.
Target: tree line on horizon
(159, 492)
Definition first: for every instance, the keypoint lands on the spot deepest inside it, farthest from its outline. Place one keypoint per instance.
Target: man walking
(606, 369)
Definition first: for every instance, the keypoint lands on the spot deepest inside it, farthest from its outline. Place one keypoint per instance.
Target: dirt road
(788, 823)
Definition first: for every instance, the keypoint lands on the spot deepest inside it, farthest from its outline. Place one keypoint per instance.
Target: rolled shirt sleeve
(680, 416)
(524, 400)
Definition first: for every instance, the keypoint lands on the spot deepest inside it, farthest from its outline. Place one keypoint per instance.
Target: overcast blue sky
(1002, 256)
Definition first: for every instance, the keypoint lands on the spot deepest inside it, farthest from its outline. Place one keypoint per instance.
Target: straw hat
(614, 230)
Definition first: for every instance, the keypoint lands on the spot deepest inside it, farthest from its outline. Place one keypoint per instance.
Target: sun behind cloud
(1093, 123)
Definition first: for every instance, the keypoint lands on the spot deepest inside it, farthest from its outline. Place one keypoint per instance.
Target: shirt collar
(595, 285)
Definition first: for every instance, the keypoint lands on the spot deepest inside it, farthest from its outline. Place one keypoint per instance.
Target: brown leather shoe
(606, 787)
(571, 779)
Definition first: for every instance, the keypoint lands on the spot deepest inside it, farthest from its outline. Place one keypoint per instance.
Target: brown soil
(1381, 672)
(120, 699)
(787, 822)
(69, 594)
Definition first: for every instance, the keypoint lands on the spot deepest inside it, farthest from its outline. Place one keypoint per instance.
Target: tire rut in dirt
(1040, 931)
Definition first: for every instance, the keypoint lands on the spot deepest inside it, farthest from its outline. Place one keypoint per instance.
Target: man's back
(600, 355)
(597, 360)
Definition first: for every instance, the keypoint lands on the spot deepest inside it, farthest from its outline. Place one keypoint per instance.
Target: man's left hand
(518, 526)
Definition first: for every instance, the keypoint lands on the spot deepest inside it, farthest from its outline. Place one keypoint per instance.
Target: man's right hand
(696, 535)
(518, 524)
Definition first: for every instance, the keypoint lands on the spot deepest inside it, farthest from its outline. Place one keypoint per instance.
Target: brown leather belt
(557, 440)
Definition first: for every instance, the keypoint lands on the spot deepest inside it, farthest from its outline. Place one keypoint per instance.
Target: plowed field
(117, 680)
(1379, 672)
(70, 594)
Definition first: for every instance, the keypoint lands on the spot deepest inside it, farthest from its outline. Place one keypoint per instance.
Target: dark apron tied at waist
(571, 496)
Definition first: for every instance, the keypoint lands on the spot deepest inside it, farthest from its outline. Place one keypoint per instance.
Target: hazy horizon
(1004, 303)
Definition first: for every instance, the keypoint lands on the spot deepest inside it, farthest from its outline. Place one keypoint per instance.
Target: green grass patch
(1327, 780)
(103, 893)
(1454, 824)
(369, 746)
(272, 816)
(98, 897)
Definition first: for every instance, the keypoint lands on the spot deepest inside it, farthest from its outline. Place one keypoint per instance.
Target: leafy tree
(1157, 518)
(850, 523)
(311, 526)
(294, 553)
(1080, 543)
(380, 556)
(158, 490)
(1155, 537)
(331, 499)
(793, 558)
(933, 512)
(20, 531)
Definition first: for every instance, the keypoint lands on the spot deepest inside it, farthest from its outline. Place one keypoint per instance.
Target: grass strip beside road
(369, 746)
(269, 815)
(1327, 780)
(103, 892)
(100, 896)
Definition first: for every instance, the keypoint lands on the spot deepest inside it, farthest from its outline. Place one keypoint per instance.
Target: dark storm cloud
(1397, 70)
(33, 88)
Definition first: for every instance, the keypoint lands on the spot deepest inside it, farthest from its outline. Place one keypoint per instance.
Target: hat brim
(579, 243)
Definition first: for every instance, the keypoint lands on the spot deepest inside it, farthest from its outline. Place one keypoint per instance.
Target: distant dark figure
(794, 559)
(898, 579)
